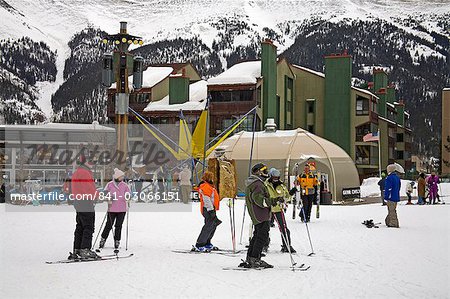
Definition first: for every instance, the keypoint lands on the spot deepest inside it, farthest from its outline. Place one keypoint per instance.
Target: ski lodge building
(325, 104)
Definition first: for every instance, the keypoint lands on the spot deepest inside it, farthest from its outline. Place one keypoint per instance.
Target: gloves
(293, 191)
(230, 202)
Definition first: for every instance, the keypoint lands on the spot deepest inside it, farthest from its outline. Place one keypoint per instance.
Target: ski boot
(75, 255)
(264, 264)
(200, 249)
(244, 264)
(87, 254)
(211, 247)
(258, 263)
(368, 223)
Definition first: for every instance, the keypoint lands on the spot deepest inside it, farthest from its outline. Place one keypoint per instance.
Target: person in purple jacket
(119, 193)
(432, 183)
(392, 195)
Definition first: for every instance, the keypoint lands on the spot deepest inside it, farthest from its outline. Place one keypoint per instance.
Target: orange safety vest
(207, 191)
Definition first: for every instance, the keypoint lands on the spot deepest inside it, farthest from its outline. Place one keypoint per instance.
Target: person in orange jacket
(209, 204)
(309, 185)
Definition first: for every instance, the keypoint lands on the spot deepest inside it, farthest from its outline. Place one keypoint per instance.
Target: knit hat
(391, 168)
(273, 172)
(118, 173)
(399, 168)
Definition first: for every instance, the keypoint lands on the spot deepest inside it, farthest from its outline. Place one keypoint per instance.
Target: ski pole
(234, 225)
(242, 227)
(101, 226)
(231, 220)
(231, 224)
(306, 223)
(293, 263)
(126, 242)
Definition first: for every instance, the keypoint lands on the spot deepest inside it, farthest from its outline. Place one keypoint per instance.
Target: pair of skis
(102, 258)
(300, 268)
(225, 252)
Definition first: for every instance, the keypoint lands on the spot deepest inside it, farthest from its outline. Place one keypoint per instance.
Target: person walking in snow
(83, 193)
(209, 204)
(309, 184)
(409, 191)
(381, 183)
(185, 184)
(392, 195)
(421, 186)
(432, 183)
(279, 193)
(258, 203)
(119, 194)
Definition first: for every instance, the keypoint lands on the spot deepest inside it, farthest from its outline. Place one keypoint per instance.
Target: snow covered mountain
(216, 34)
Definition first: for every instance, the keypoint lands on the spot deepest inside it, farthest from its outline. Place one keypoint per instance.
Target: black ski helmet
(260, 167)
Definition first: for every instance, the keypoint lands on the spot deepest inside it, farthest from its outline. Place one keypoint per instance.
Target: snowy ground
(351, 260)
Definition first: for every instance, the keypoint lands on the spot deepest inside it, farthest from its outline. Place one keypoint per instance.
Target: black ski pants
(259, 239)
(282, 225)
(84, 230)
(208, 229)
(116, 219)
(307, 206)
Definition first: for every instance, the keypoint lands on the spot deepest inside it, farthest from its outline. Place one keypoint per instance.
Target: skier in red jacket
(83, 194)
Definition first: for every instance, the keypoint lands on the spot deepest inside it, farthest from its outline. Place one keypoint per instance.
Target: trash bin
(326, 198)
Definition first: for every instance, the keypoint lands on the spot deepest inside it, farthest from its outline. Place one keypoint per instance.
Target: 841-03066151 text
(155, 196)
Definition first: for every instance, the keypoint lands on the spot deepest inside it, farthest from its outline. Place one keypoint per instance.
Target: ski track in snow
(351, 260)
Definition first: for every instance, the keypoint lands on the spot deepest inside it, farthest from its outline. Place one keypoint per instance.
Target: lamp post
(116, 68)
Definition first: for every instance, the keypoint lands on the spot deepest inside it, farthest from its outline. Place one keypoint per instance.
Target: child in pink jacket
(119, 193)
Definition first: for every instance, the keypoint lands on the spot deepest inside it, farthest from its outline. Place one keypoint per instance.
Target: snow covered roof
(386, 120)
(151, 76)
(198, 92)
(309, 70)
(242, 73)
(390, 104)
(59, 127)
(365, 91)
(446, 89)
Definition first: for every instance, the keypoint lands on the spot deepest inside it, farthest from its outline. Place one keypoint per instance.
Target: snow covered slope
(55, 21)
(351, 260)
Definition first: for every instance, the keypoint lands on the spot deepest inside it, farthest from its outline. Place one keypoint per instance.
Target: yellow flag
(184, 141)
(198, 138)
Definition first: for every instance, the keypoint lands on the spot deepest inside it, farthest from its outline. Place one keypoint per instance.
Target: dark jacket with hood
(257, 199)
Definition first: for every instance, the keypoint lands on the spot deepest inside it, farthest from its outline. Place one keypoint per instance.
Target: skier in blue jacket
(392, 195)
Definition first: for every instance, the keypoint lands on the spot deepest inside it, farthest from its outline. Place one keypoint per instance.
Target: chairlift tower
(116, 68)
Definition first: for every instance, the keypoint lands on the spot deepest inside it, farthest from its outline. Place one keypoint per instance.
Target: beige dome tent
(284, 149)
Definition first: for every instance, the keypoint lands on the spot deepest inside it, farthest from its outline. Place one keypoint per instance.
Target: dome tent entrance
(284, 149)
